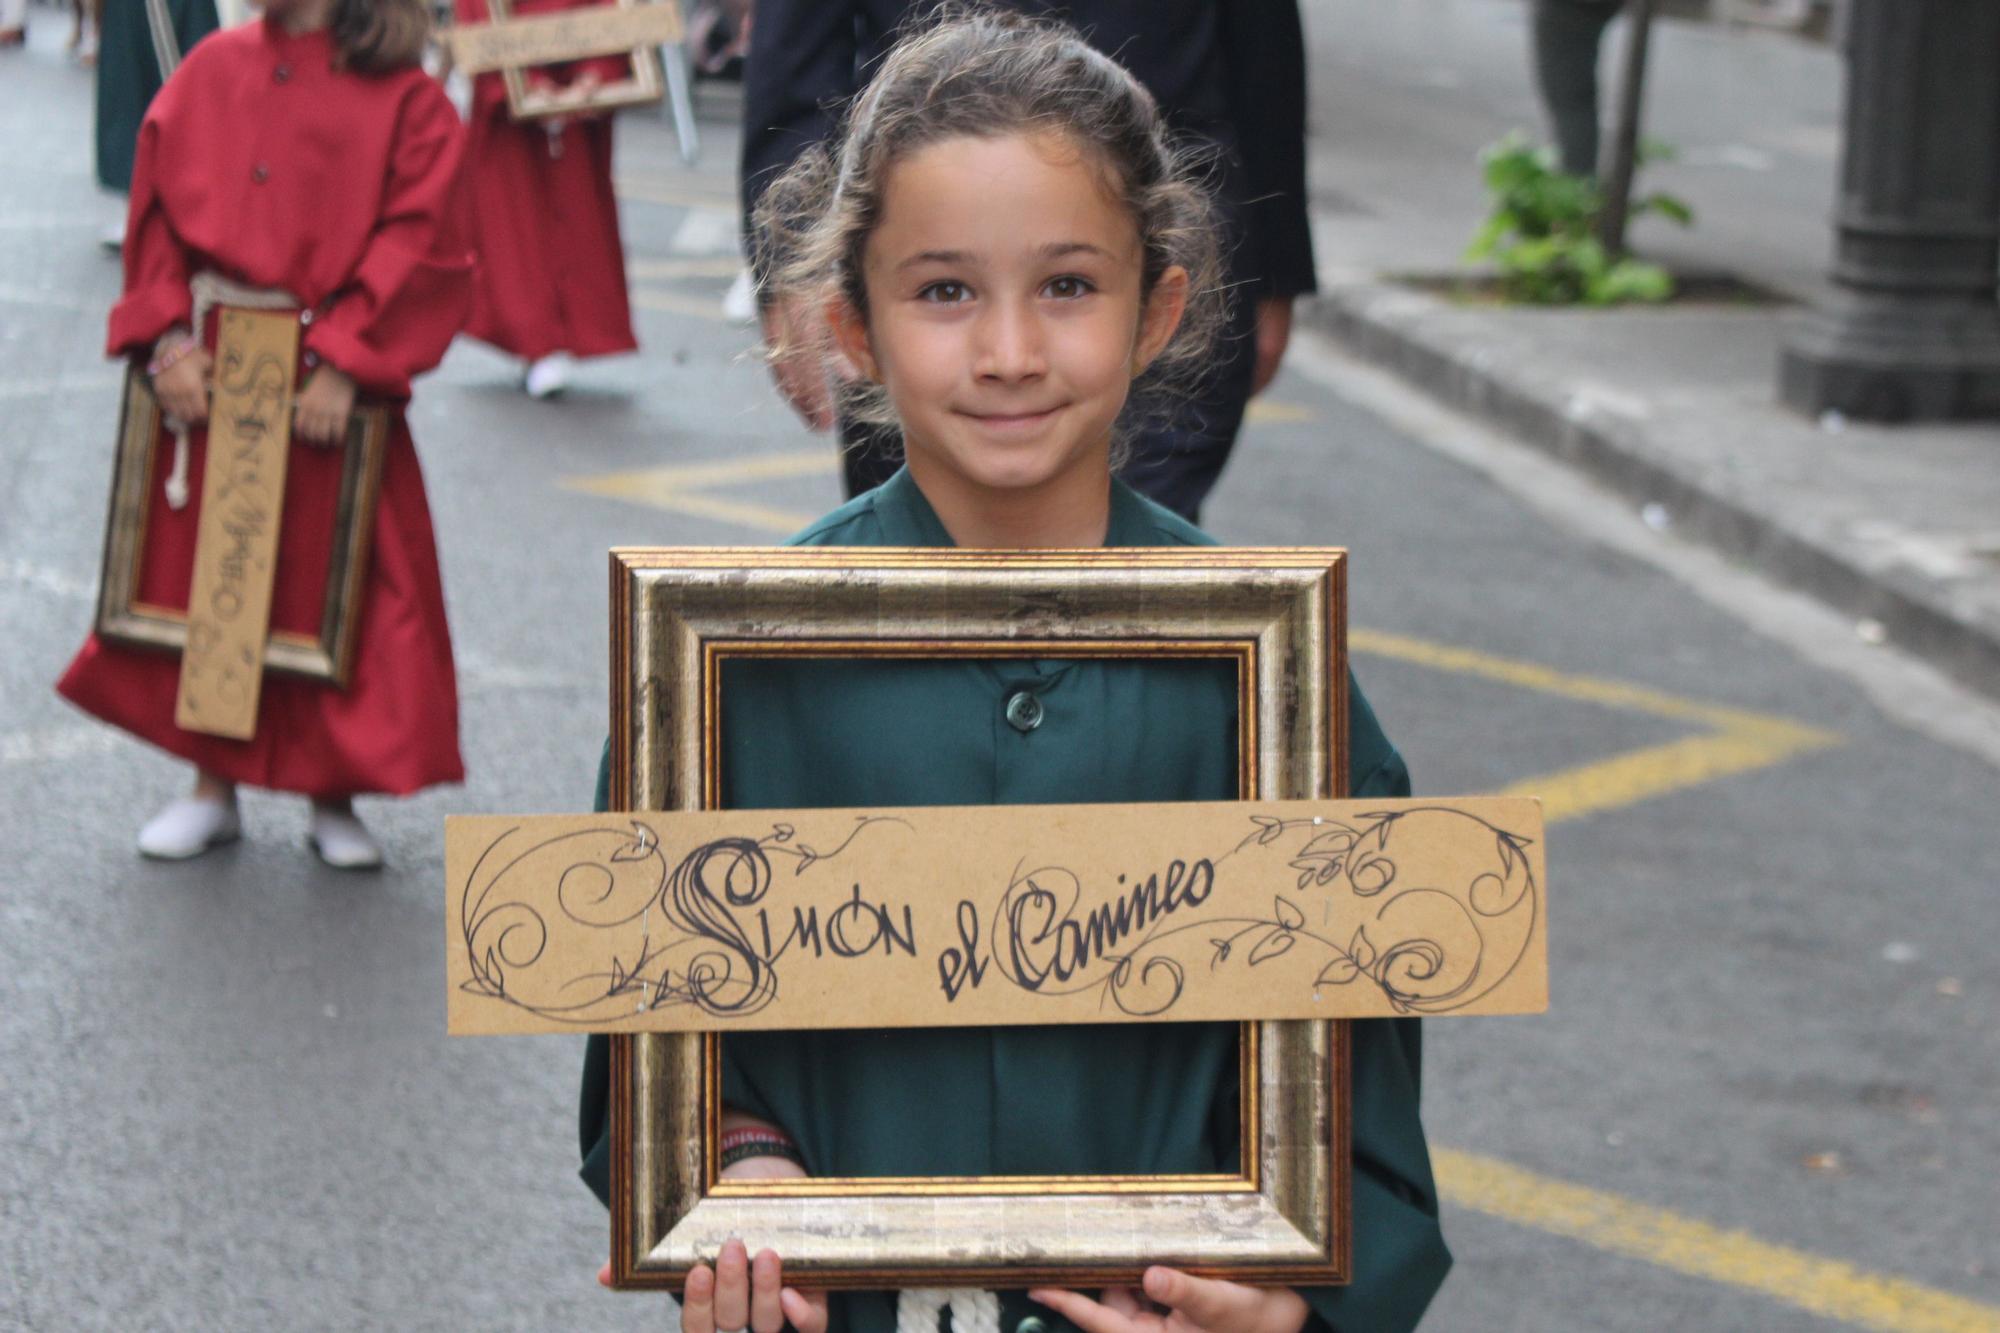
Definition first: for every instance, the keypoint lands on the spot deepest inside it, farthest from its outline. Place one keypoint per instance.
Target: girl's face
(1006, 317)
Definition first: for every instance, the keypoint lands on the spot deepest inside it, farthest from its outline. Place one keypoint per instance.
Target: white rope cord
(972, 1310)
(211, 289)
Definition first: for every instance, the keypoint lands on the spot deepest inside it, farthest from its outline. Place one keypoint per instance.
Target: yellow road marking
(672, 303)
(666, 270)
(1737, 741)
(665, 190)
(1640, 775)
(682, 488)
(1681, 1244)
(1263, 411)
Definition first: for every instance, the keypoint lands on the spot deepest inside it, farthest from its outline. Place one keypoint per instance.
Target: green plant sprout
(1542, 233)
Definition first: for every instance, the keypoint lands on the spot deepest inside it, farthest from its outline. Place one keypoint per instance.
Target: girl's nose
(1010, 344)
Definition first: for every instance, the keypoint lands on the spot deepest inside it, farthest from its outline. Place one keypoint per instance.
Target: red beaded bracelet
(732, 1138)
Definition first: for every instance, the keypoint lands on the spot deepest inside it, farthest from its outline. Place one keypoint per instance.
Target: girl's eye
(1069, 287)
(944, 293)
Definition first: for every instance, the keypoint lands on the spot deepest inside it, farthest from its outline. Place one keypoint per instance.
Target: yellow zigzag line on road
(1738, 742)
(683, 488)
(1735, 1258)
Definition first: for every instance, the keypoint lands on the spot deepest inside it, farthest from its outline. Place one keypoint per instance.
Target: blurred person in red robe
(304, 160)
(543, 220)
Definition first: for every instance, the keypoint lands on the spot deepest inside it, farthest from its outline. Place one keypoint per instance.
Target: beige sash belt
(211, 289)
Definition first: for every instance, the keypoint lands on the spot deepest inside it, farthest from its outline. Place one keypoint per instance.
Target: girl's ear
(1165, 305)
(850, 335)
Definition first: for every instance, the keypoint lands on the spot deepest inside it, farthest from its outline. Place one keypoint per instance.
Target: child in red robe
(305, 159)
(543, 220)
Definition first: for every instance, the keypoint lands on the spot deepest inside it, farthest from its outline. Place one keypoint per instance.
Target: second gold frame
(327, 656)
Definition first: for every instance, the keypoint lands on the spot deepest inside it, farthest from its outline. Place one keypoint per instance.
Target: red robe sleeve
(156, 294)
(411, 290)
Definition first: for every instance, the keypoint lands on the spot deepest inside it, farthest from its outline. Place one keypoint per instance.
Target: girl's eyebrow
(1053, 250)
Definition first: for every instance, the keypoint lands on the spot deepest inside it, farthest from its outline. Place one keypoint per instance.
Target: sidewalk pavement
(1674, 409)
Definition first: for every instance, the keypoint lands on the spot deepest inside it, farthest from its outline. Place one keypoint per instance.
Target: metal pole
(1624, 164)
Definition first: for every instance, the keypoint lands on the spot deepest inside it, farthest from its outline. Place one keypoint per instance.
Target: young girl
(543, 220)
(1015, 259)
(307, 161)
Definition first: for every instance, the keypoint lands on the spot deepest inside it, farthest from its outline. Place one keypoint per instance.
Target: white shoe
(188, 827)
(113, 236)
(550, 375)
(343, 841)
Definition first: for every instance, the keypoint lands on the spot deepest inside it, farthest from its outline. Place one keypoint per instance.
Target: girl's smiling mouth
(1011, 421)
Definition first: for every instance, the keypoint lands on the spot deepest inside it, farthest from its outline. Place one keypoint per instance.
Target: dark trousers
(1567, 34)
(1174, 463)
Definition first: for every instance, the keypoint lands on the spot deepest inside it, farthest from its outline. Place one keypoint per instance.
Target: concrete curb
(1403, 331)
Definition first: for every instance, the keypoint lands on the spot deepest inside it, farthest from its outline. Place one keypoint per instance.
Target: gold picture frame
(679, 614)
(511, 45)
(326, 656)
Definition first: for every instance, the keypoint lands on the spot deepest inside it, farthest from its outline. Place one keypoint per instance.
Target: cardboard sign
(994, 915)
(236, 542)
(547, 39)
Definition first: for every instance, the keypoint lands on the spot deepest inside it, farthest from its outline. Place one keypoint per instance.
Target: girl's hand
(1274, 332)
(740, 1293)
(744, 1294)
(324, 406)
(1191, 1305)
(182, 388)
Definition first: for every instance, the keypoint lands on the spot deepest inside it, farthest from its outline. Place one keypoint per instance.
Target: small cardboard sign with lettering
(994, 915)
(236, 542)
(544, 39)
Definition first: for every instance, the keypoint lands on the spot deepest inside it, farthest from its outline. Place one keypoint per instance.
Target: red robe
(543, 219)
(261, 161)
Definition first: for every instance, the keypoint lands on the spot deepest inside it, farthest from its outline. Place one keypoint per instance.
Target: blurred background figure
(543, 220)
(143, 43)
(1567, 38)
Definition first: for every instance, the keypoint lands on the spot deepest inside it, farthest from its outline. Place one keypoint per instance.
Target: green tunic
(128, 76)
(1136, 1098)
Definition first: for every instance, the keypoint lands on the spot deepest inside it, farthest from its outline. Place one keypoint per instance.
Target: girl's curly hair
(976, 71)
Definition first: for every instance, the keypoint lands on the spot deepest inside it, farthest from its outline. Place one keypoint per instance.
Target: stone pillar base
(1893, 359)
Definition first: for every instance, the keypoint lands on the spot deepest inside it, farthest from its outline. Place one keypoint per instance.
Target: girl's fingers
(1125, 1301)
(604, 1274)
(698, 1301)
(806, 1312)
(1085, 1313)
(732, 1288)
(767, 1279)
(1213, 1303)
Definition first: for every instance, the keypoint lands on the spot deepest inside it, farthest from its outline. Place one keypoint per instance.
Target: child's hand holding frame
(1180, 1304)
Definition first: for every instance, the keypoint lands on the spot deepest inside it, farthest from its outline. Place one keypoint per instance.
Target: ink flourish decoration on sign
(1408, 915)
(704, 936)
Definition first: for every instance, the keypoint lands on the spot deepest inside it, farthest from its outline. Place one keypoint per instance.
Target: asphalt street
(1763, 1099)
